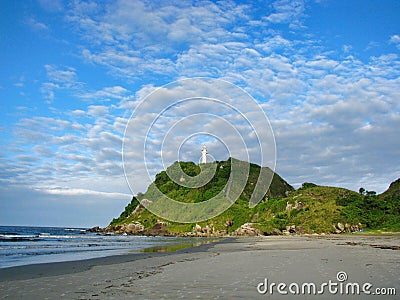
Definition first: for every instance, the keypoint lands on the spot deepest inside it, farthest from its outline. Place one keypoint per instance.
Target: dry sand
(228, 269)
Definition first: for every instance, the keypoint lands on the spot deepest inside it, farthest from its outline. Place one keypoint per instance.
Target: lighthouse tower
(204, 154)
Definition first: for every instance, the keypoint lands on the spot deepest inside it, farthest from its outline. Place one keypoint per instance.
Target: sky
(325, 73)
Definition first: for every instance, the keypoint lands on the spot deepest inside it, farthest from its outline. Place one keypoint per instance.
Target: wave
(18, 238)
(28, 245)
(36, 237)
(75, 230)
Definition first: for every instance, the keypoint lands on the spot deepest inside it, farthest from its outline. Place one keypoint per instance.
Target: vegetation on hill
(219, 181)
(310, 209)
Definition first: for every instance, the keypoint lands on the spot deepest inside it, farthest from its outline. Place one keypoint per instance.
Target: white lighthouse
(204, 154)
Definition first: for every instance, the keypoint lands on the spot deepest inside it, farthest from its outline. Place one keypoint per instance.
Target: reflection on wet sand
(176, 247)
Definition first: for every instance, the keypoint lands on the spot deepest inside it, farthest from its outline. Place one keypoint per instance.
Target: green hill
(310, 209)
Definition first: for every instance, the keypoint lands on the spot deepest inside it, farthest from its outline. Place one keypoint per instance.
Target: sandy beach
(233, 268)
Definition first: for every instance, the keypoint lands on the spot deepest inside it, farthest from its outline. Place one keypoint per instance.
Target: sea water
(22, 245)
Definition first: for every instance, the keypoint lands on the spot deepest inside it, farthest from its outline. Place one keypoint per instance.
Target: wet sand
(230, 269)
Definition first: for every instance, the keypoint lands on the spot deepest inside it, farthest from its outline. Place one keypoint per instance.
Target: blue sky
(326, 73)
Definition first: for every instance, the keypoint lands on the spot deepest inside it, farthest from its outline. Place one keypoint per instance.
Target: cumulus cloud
(48, 150)
(98, 110)
(80, 192)
(287, 11)
(51, 5)
(107, 93)
(395, 39)
(59, 79)
(36, 25)
(147, 37)
(65, 76)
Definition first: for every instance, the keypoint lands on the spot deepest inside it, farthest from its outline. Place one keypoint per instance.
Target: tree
(361, 191)
(370, 193)
(307, 185)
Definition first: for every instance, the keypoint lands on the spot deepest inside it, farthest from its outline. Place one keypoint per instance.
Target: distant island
(311, 209)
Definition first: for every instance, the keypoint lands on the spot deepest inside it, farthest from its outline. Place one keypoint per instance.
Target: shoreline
(229, 268)
(32, 271)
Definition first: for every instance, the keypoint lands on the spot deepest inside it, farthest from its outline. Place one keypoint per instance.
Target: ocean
(23, 245)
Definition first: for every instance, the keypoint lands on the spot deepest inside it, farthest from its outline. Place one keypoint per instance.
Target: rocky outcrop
(276, 231)
(138, 209)
(206, 231)
(203, 231)
(296, 205)
(131, 228)
(95, 229)
(247, 229)
(145, 202)
(293, 229)
(158, 229)
(229, 223)
(197, 229)
(340, 227)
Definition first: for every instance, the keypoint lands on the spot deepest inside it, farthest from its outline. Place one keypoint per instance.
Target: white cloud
(66, 76)
(59, 79)
(274, 43)
(65, 150)
(395, 39)
(287, 11)
(98, 110)
(147, 38)
(47, 90)
(80, 192)
(36, 25)
(51, 5)
(113, 92)
(347, 48)
(78, 112)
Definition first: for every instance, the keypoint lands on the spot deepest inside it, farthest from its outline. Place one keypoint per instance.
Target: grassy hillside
(310, 209)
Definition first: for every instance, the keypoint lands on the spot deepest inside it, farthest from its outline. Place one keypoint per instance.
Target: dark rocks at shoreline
(95, 229)
(247, 229)
(341, 228)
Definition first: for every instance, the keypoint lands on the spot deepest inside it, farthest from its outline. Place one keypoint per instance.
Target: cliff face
(310, 209)
(393, 191)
